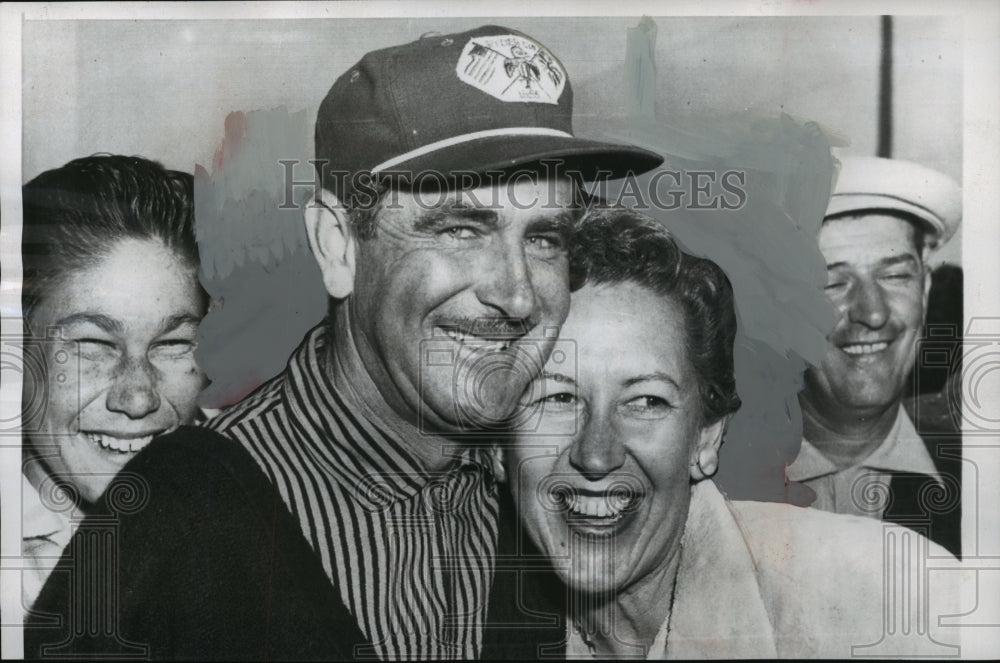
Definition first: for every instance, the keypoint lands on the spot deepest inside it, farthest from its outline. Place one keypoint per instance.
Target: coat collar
(718, 610)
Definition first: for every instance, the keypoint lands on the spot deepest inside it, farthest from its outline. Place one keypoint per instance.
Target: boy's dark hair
(74, 214)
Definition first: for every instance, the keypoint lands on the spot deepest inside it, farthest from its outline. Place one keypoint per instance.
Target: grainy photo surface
(408, 331)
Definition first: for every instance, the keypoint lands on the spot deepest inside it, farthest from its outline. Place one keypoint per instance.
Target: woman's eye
(648, 406)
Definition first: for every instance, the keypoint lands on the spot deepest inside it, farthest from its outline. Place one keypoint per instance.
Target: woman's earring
(708, 461)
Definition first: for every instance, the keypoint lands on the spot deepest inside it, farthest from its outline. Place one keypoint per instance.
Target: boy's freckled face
(123, 368)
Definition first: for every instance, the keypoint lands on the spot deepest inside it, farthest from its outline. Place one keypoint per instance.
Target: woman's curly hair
(611, 246)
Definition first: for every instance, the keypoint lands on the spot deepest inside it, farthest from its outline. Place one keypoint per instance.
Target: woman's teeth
(119, 444)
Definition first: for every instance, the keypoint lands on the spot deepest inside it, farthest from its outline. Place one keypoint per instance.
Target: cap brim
(847, 203)
(502, 154)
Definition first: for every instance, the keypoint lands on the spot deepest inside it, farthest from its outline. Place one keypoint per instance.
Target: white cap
(873, 183)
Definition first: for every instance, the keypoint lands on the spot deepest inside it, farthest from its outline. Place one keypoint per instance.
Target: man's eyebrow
(172, 322)
(561, 223)
(435, 219)
(658, 376)
(105, 323)
(898, 260)
(884, 262)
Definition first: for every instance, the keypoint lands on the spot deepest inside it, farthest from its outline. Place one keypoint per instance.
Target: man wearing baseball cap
(448, 167)
(861, 453)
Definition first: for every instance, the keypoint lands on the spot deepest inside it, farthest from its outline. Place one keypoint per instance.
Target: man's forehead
(539, 197)
(867, 238)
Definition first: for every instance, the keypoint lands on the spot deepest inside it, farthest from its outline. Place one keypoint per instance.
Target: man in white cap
(861, 453)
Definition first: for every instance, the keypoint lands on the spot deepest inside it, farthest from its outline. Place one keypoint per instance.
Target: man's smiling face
(485, 273)
(123, 369)
(877, 280)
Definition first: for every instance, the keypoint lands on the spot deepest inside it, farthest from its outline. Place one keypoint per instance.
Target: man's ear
(332, 243)
(499, 466)
(928, 279)
(705, 457)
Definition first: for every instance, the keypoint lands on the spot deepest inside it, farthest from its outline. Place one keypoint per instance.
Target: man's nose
(598, 450)
(507, 285)
(134, 392)
(867, 305)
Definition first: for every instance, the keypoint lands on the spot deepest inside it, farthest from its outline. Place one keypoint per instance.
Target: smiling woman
(611, 478)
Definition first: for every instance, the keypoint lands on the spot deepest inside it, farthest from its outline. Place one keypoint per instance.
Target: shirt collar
(809, 464)
(38, 521)
(902, 451)
(361, 450)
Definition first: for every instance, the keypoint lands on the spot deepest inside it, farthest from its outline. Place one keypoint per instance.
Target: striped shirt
(411, 552)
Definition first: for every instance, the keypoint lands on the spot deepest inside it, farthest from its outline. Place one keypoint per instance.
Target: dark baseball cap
(487, 100)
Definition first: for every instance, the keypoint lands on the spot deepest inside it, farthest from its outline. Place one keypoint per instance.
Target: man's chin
(483, 417)
(865, 403)
(471, 417)
(856, 399)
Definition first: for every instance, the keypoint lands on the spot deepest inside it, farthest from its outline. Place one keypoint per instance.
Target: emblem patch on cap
(511, 68)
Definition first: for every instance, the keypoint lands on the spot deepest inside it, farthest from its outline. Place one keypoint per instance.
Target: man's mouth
(861, 349)
(489, 344)
(122, 444)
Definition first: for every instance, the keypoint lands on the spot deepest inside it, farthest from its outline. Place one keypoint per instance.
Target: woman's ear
(705, 457)
(332, 243)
